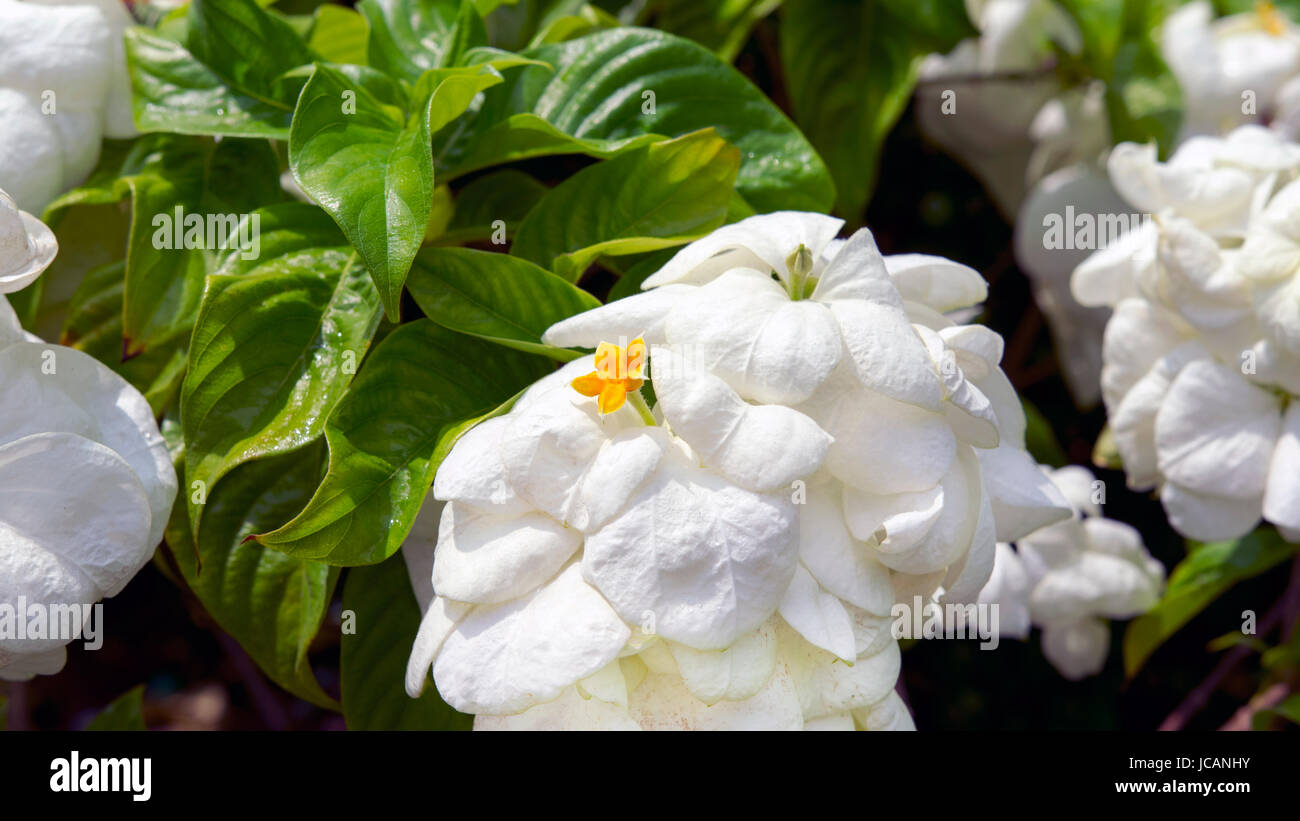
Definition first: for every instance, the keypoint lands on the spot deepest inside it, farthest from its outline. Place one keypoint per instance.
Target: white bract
(86, 483)
(63, 87)
(823, 436)
(1202, 354)
(983, 101)
(1069, 577)
(1233, 70)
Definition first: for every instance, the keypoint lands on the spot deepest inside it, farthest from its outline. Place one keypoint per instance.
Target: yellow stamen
(1273, 21)
(618, 373)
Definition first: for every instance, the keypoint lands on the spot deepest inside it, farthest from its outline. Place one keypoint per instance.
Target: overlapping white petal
(63, 86)
(86, 482)
(1069, 577)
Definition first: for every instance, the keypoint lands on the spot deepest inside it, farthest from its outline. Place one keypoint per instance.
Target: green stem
(637, 401)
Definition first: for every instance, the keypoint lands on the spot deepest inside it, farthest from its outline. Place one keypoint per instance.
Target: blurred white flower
(1202, 361)
(999, 82)
(63, 87)
(824, 436)
(86, 483)
(1069, 577)
(1231, 70)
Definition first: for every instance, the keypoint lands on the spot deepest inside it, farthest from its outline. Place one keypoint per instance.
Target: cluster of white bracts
(1039, 147)
(86, 483)
(736, 564)
(1202, 355)
(1069, 577)
(63, 88)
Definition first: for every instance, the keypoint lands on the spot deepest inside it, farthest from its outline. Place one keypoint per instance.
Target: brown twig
(1243, 719)
(1200, 696)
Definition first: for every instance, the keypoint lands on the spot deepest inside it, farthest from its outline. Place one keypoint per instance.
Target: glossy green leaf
(340, 35)
(409, 37)
(1208, 571)
(94, 325)
(274, 347)
(369, 167)
(610, 89)
(373, 660)
(496, 297)
(681, 193)
(271, 603)
(185, 200)
(125, 713)
(223, 76)
(390, 432)
(850, 68)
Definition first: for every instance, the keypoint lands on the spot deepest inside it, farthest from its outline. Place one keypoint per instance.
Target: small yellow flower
(617, 373)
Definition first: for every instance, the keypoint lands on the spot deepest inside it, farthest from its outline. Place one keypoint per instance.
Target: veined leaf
(370, 168)
(851, 67)
(419, 390)
(222, 76)
(273, 349)
(496, 297)
(610, 89)
(271, 603)
(681, 193)
(409, 37)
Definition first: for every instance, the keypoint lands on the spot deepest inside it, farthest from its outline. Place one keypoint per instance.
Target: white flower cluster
(86, 483)
(63, 87)
(825, 441)
(1039, 147)
(1238, 69)
(1069, 577)
(1202, 354)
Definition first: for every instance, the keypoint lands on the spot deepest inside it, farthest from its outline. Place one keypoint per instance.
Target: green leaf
(125, 713)
(390, 432)
(506, 195)
(681, 193)
(1040, 440)
(850, 67)
(720, 25)
(597, 101)
(271, 603)
(274, 347)
(340, 35)
(1101, 23)
(373, 660)
(496, 297)
(370, 168)
(936, 25)
(94, 325)
(223, 76)
(409, 37)
(1208, 571)
(182, 180)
